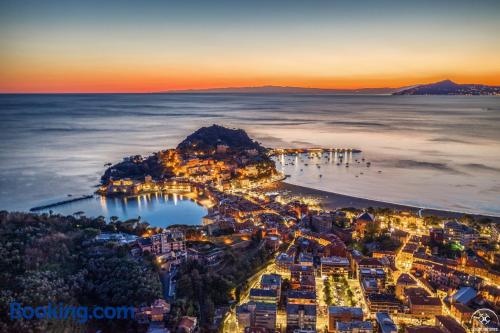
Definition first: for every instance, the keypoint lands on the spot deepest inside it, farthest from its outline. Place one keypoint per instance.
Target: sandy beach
(331, 201)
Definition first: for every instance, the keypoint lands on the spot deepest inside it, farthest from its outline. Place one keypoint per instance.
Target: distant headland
(448, 87)
(445, 87)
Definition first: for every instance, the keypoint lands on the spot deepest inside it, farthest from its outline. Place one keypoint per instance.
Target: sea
(427, 151)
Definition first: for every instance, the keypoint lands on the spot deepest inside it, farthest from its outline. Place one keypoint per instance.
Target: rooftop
(352, 325)
(422, 300)
(271, 279)
(464, 295)
(301, 294)
(365, 217)
(254, 292)
(406, 279)
(309, 309)
(386, 323)
(338, 310)
(450, 324)
(423, 329)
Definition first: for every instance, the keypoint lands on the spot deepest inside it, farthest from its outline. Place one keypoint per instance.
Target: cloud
(412, 164)
(443, 139)
(481, 167)
(302, 143)
(363, 124)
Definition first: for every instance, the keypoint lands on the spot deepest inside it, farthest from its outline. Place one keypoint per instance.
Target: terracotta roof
(406, 279)
(450, 324)
(423, 329)
(421, 300)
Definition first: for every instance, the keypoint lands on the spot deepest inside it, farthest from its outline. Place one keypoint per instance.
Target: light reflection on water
(157, 209)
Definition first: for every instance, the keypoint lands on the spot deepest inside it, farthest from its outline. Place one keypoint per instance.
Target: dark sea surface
(432, 151)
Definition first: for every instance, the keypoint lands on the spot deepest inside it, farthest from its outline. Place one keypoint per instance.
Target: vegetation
(136, 167)
(51, 259)
(206, 139)
(327, 291)
(201, 290)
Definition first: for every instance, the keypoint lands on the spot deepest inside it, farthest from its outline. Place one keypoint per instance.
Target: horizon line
(194, 90)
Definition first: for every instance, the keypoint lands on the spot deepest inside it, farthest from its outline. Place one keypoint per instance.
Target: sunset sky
(144, 46)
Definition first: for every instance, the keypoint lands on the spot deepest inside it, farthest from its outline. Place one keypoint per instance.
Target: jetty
(60, 203)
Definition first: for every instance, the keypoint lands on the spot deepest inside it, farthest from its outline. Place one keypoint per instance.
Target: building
(155, 312)
(187, 325)
(322, 223)
(264, 295)
(372, 280)
(455, 232)
(400, 235)
(461, 312)
(423, 329)
(354, 327)
(383, 303)
(437, 235)
(170, 240)
(334, 266)
(385, 324)
(424, 306)
(301, 297)
(449, 325)
(207, 255)
(272, 282)
(404, 282)
(256, 315)
(305, 259)
(463, 295)
(265, 316)
(342, 314)
(364, 222)
(283, 263)
(302, 277)
(301, 316)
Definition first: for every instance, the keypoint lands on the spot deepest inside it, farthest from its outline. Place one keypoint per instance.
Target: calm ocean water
(432, 151)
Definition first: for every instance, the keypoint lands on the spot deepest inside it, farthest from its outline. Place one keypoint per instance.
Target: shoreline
(331, 201)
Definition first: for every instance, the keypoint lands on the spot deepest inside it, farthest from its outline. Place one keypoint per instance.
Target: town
(266, 261)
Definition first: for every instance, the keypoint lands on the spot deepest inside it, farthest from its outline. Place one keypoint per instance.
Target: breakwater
(59, 203)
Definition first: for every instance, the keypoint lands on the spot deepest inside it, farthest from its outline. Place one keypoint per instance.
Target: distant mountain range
(448, 87)
(445, 87)
(284, 90)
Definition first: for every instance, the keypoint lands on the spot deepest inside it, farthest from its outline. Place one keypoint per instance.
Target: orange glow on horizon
(130, 83)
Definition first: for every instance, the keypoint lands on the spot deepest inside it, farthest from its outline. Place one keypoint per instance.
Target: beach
(332, 201)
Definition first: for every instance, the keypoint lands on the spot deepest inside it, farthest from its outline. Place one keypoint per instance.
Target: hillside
(207, 139)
